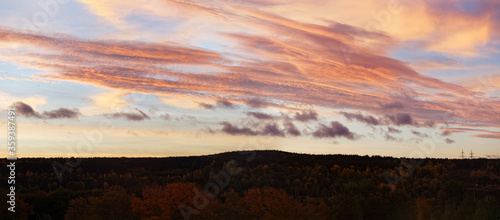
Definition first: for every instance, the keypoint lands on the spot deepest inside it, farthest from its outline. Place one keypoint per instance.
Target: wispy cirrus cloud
(484, 133)
(128, 65)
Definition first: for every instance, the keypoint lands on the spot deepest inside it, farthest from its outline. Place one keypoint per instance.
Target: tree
(173, 201)
(113, 204)
(271, 203)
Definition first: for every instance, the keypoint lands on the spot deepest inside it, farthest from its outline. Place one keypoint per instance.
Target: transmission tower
(462, 155)
(471, 154)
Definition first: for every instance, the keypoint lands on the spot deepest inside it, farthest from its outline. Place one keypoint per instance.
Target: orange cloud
(288, 62)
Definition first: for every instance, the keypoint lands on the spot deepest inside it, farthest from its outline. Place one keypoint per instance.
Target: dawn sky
(399, 78)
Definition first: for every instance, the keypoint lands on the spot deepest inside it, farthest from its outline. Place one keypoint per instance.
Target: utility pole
(462, 155)
(471, 155)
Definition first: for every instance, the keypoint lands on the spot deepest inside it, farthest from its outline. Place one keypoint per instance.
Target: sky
(91, 78)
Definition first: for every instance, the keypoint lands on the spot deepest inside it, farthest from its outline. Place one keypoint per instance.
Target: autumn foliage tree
(113, 204)
(174, 200)
(271, 203)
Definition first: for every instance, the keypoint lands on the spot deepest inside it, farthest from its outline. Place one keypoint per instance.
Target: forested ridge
(255, 185)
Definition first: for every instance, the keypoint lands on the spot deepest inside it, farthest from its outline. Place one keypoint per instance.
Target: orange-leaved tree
(174, 201)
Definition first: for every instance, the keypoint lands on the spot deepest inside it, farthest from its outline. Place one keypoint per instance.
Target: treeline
(256, 185)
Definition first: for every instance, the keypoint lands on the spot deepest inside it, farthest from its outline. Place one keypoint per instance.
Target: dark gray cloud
(272, 130)
(228, 128)
(335, 129)
(61, 113)
(368, 119)
(129, 116)
(260, 115)
(401, 119)
(27, 111)
(291, 129)
(393, 130)
(306, 116)
(449, 141)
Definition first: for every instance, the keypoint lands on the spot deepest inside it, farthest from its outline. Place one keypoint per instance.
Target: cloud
(225, 104)
(493, 135)
(445, 133)
(485, 133)
(422, 135)
(261, 115)
(389, 137)
(186, 117)
(370, 120)
(401, 119)
(257, 103)
(433, 63)
(221, 103)
(396, 119)
(304, 116)
(109, 101)
(129, 65)
(393, 130)
(392, 105)
(206, 106)
(449, 141)
(272, 130)
(61, 113)
(8, 99)
(27, 111)
(429, 123)
(228, 128)
(341, 64)
(184, 101)
(129, 116)
(335, 129)
(165, 116)
(291, 129)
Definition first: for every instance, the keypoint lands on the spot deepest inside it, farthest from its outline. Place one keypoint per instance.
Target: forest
(254, 185)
